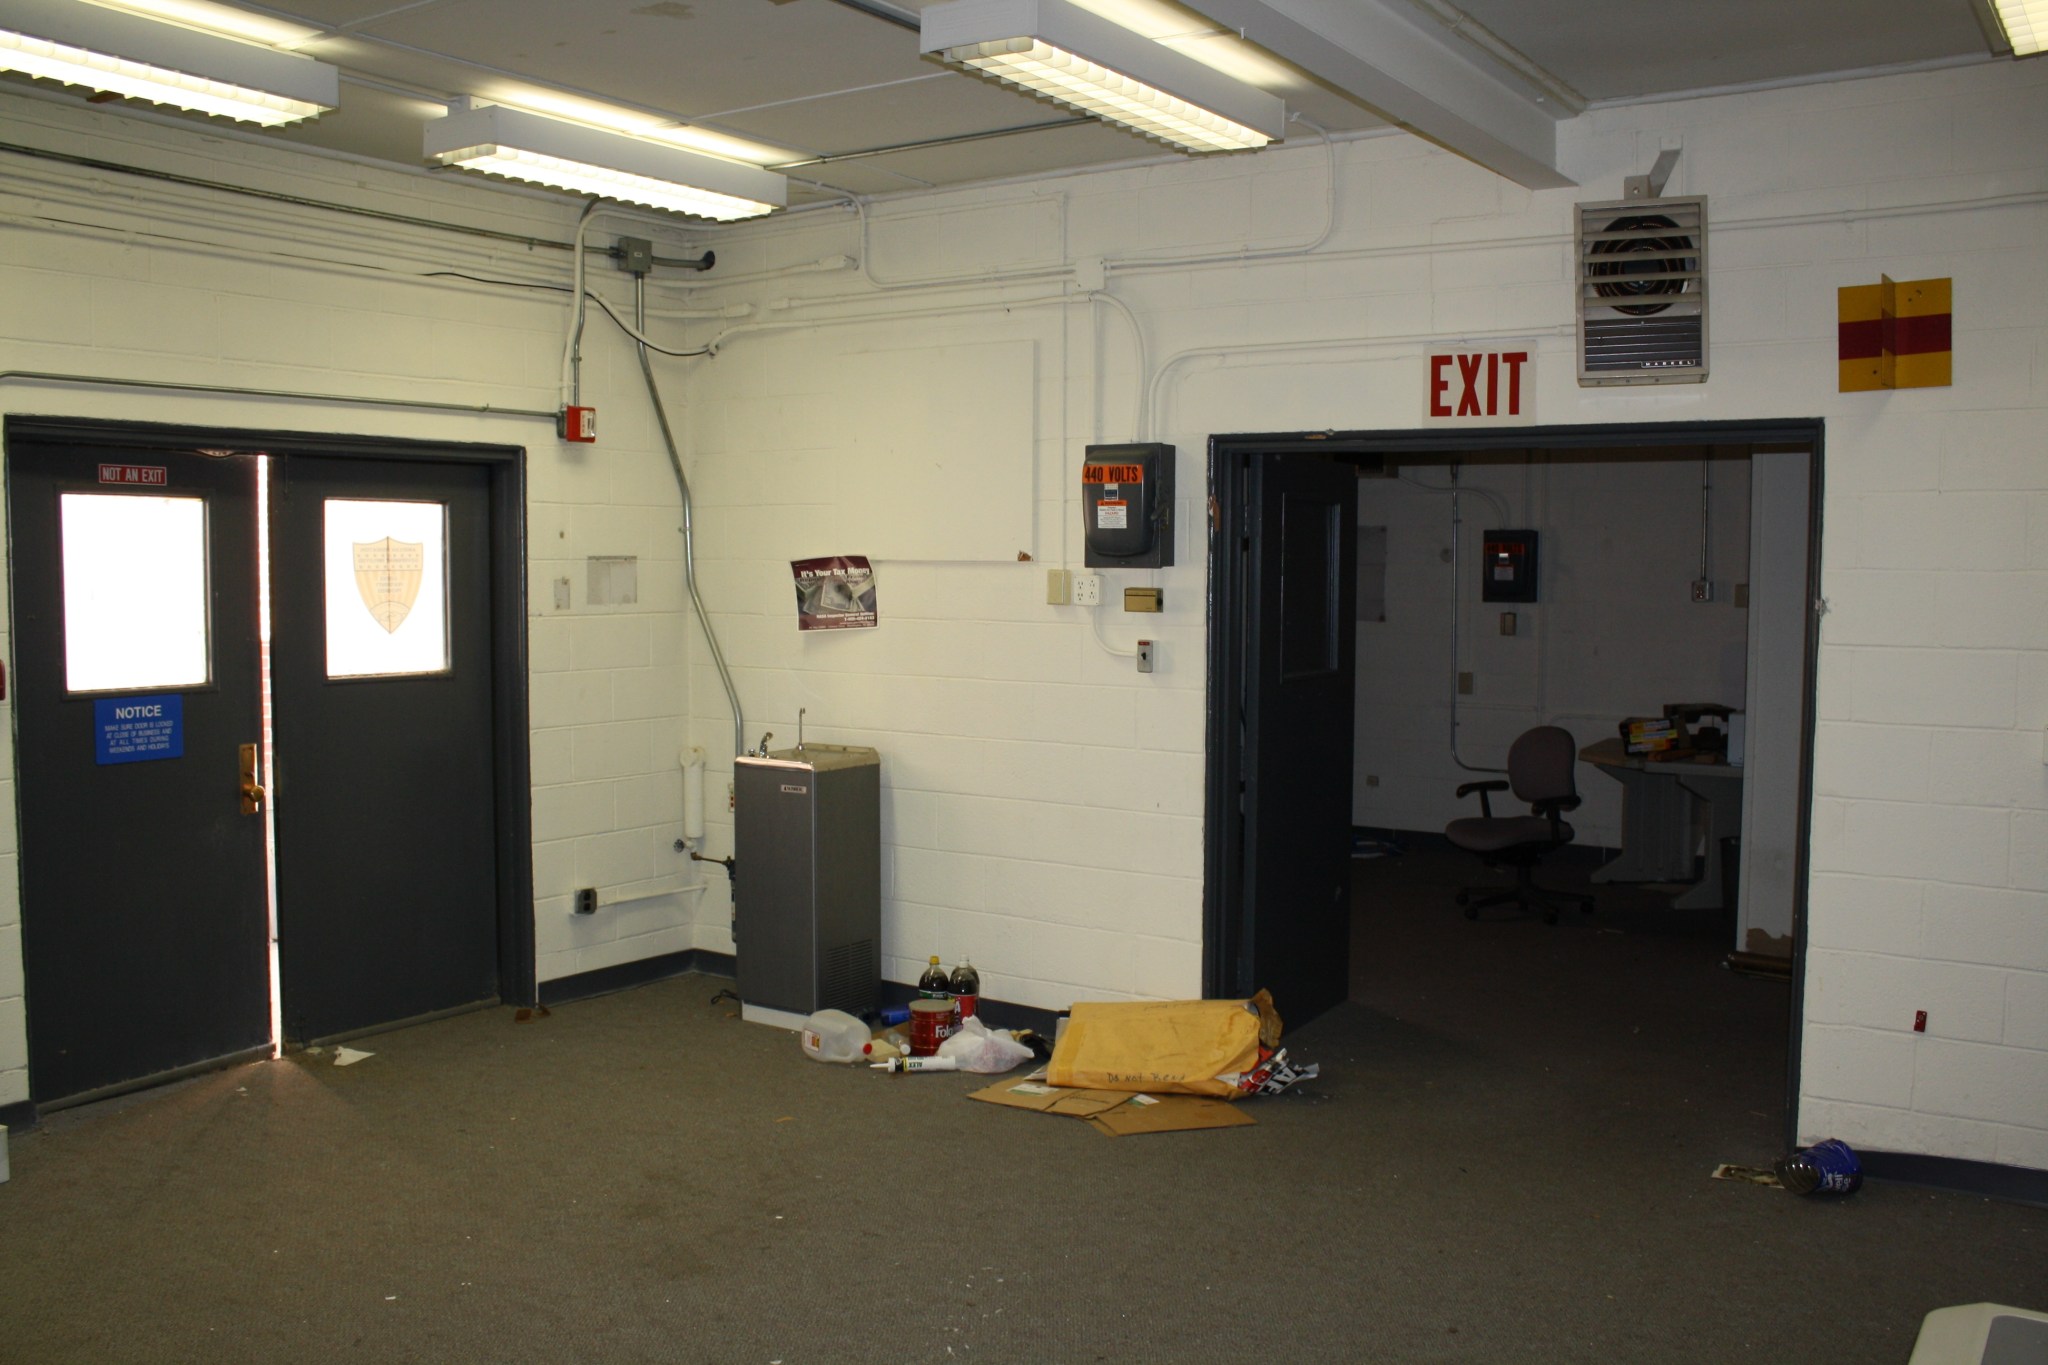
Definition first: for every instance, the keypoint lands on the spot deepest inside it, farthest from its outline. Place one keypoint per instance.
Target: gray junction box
(807, 903)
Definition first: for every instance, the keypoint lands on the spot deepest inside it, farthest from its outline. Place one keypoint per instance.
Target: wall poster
(834, 592)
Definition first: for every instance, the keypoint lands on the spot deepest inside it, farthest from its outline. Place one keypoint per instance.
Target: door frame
(1231, 467)
(511, 742)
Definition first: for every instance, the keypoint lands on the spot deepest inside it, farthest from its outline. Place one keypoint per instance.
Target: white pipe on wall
(692, 760)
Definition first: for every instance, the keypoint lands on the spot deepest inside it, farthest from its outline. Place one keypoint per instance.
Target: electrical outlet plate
(1145, 656)
(1703, 590)
(1087, 590)
(586, 901)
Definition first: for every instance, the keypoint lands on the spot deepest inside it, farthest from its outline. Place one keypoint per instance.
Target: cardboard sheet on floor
(1168, 1114)
(1116, 1113)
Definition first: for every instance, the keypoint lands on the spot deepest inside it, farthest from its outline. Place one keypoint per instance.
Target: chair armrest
(1471, 787)
(1485, 806)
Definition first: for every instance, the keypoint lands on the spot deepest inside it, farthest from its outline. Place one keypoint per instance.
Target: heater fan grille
(1642, 292)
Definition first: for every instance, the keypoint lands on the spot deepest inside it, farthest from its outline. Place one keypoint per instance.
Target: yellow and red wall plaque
(1894, 335)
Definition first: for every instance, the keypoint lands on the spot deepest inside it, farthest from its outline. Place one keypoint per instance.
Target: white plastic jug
(834, 1036)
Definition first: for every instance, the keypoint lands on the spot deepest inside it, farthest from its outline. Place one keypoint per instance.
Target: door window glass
(134, 591)
(387, 588)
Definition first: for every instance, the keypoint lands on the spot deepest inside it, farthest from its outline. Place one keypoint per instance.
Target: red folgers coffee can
(931, 1022)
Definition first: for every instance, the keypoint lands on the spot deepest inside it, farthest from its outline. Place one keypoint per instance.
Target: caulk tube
(916, 1064)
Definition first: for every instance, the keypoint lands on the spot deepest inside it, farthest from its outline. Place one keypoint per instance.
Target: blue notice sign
(137, 729)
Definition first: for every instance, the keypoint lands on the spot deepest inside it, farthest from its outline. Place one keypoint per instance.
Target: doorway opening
(322, 813)
(1440, 681)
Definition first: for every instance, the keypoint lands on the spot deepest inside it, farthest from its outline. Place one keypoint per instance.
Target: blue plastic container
(1827, 1167)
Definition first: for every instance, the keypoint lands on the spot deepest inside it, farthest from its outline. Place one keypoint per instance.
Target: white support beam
(1386, 59)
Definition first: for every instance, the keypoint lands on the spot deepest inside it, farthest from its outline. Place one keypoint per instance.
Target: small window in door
(387, 588)
(134, 591)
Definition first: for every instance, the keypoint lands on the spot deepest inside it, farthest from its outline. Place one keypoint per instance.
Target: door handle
(252, 792)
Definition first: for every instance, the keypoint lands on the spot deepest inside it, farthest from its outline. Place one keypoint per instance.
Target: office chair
(1540, 766)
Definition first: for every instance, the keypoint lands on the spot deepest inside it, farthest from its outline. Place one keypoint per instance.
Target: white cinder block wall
(119, 276)
(1043, 800)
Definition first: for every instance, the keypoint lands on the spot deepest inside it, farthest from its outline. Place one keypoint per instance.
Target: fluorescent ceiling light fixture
(224, 19)
(2025, 23)
(1195, 35)
(1072, 57)
(661, 128)
(126, 54)
(568, 156)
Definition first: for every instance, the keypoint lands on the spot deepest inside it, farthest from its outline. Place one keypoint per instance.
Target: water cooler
(807, 904)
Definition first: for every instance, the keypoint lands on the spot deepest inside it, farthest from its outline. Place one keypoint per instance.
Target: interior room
(1504, 590)
(465, 466)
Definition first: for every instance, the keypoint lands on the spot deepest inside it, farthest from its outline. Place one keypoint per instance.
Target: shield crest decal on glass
(388, 577)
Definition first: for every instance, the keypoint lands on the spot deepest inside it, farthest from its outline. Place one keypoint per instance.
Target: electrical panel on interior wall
(927, 454)
(1642, 292)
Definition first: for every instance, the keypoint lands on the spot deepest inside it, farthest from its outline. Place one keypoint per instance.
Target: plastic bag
(977, 1047)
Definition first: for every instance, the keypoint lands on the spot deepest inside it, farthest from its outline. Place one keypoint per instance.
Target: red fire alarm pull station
(577, 424)
(1127, 506)
(1509, 567)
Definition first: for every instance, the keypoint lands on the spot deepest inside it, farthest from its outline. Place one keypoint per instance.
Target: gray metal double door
(145, 919)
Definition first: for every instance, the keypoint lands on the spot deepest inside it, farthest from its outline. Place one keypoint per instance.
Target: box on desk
(1678, 733)
(1650, 735)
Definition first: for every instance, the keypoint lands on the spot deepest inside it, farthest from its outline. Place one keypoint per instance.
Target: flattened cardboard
(1172, 1114)
(1047, 1099)
(1116, 1113)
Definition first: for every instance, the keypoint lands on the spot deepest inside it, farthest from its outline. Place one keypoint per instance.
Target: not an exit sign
(1479, 388)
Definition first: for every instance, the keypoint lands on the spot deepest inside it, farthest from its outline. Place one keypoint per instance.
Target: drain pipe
(675, 462)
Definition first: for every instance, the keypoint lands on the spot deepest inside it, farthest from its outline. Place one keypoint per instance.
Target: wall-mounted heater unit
(1642, 292)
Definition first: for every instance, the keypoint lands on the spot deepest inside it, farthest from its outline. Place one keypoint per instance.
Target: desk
(1663, 809)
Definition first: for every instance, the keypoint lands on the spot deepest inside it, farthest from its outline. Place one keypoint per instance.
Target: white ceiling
(835, 93)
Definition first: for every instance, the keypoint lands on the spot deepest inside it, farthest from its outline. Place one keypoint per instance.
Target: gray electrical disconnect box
(807, 900)
(1127, 507)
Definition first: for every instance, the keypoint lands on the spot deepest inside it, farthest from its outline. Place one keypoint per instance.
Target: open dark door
(145, 927)
(1301, 588)
(381, 659)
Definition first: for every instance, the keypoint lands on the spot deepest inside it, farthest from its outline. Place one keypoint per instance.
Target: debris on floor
(1222, 1049)
(1754, 1175)
(1828, 1167)
(1115, 1113)
(348, 1056)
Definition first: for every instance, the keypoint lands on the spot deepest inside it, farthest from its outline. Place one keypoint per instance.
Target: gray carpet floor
(1506, 1159)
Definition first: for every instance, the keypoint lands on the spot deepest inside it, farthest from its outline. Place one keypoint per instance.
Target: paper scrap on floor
(1116, 1113)
(348, 1056)
(1754, 1175)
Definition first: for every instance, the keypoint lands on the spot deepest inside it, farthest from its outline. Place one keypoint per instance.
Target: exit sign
(149, 475)
(1479, 388)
